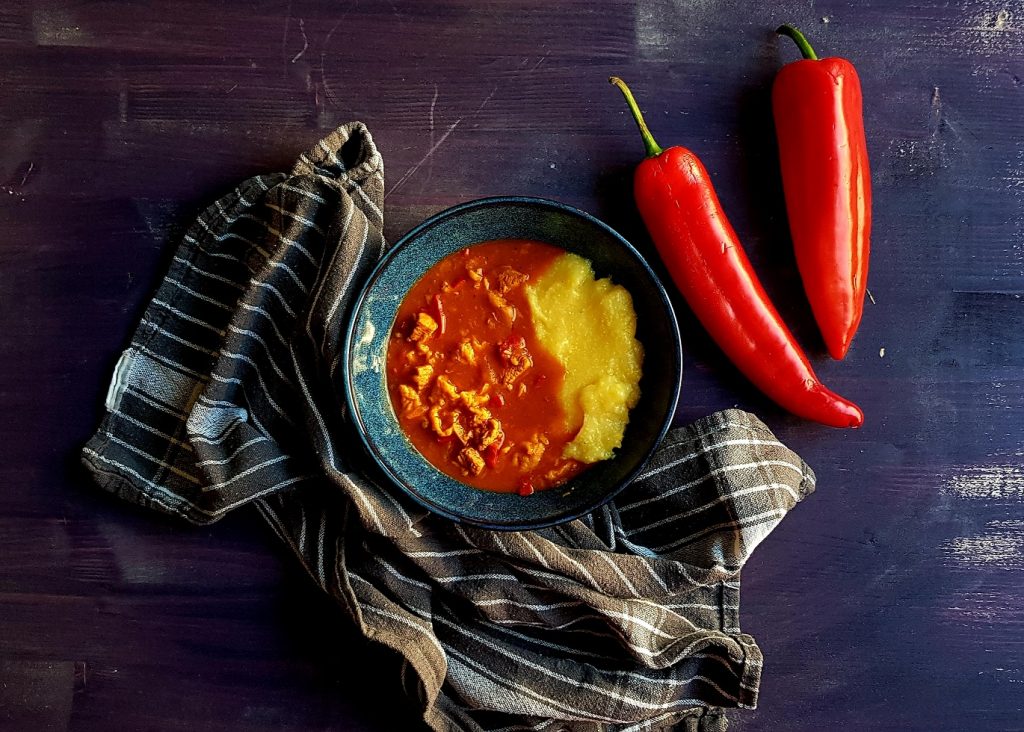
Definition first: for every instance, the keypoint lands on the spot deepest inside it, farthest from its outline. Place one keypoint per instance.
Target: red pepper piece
(442, 321)
(525, 487)
(824, 159)
(699, 247)
(491, 451)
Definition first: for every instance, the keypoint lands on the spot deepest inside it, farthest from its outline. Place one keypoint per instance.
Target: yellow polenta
(589, 325)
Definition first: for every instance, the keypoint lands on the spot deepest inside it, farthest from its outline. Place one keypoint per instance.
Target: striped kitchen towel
(229, 393)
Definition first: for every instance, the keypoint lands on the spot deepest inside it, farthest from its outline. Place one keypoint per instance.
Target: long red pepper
(825, 174)
(682, 213)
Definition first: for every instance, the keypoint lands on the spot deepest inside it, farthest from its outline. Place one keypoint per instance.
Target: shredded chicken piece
(471, 461)
(492, 434)
(503, 306)
(467, 353)
(517, 359)
(557, 474)
(533, 451)
(435, 421)
(421, 377)
(479, 415)
(447, 387)
(423, 328)
(509, 279)
(460, 432)
(412, 407)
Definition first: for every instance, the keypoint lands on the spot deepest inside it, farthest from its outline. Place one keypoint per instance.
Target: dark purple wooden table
(121, 120)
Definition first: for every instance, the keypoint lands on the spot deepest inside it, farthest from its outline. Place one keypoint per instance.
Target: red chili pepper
(827, 181)
(525, 487)
(698, 245)
(491, 452)
(442, 321)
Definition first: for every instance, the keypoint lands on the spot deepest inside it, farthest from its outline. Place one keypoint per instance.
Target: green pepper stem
(801, 40)
(650, 145)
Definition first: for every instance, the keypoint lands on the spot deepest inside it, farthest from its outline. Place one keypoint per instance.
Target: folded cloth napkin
(626, 619)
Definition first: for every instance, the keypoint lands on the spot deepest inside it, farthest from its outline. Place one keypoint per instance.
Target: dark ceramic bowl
(501, 218)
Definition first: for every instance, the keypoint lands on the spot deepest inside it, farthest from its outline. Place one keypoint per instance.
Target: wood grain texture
(122, 120)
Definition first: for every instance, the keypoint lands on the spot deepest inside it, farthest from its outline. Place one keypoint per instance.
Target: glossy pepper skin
(827, 182)
(699, 247)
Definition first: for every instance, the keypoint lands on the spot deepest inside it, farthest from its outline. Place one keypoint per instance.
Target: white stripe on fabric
(453, 553)
(296, 216)
(620, 573)
(405, 578)
(395, 616)
(301, 191)
(207, 253)
(171, 364)
(198, 295)
(506, 683)
(266, 393)
(294, 244)
(527, 606)
(471, 577)
(747, 521)
(280, 298)
(259, 339)
(642, 650)
(225, 237)
(650, 570)
(232, 235)
(321, 549)
(291, 273)
(153, 459)
(248, 471)
(235, 453)
(591, 579)
(184, 445)
(237, 217)
(710, 474)
(401, 512)
(273, 364)
(525, 539)
(369, 507)
(302, 528)
(138, 394)
(323, 280)
(706, 449)
(166, 333)
(611, 693)
(270, 319)
(332, 157)
(192, 267)
(373, 206)
(155, 486)
(548, 644)
(721, 499)
(343, 291)
(185, 316)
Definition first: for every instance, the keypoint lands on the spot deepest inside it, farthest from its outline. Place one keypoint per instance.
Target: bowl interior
(455, 229)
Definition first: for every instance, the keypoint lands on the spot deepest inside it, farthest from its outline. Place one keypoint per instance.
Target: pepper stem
(801, 40)
(650, 145)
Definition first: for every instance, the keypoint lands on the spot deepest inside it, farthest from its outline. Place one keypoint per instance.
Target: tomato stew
(474, 390)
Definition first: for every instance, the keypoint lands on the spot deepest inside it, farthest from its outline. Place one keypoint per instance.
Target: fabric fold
(626, 619)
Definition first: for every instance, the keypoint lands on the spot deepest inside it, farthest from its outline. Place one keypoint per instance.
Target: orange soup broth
(527, 408)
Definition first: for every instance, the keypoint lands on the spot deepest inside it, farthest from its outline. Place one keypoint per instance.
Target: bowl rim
(357, 306)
